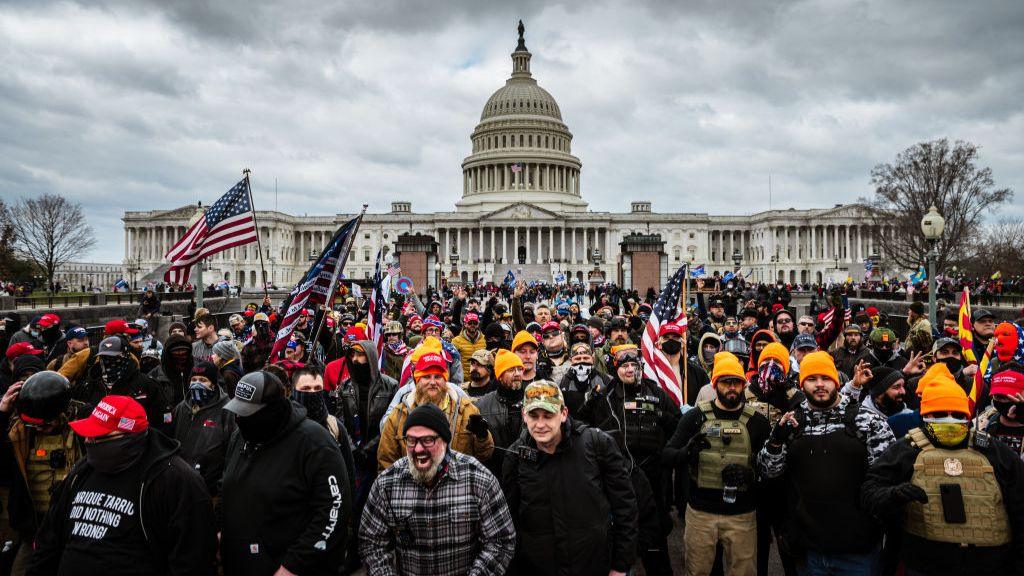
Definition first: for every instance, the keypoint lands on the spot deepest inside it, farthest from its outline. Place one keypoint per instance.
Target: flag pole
(334, 280)
(259, 244)
(686, 338)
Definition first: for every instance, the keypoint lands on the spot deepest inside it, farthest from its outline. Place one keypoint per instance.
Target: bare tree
(50, 232)
(926, 174)
(998, 247)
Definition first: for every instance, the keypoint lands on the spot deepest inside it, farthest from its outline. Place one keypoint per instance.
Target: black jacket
(175, 512)
(174, 381)
(502, 409)
(896, 466)
(641, 435)
(575, 510)
(283, 502)
(204, 434)
(382, 389)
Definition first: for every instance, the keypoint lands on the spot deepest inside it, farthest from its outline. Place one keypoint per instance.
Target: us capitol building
(522, 208)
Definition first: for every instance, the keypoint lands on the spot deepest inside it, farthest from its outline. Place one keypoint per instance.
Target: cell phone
(952, 504)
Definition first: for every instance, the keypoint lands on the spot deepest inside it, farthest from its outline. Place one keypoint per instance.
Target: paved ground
(675, 551)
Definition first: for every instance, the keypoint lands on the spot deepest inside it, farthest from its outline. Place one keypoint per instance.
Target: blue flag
(728, 276)
(697, 272)
(510, 278)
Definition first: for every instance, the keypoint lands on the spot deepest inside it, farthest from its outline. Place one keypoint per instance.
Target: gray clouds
(150, 105)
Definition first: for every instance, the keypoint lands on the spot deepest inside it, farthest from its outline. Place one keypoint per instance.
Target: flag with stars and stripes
(318, 284)
(377, 307)
(666, 311)
(228, 223)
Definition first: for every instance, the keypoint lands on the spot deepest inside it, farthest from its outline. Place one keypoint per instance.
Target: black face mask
(116, 456)
(671, 347)
(315, 404)
(115, 369)
(263, 425)
(360, 371)
(953, 363)
(493, 344)
(1003, 407)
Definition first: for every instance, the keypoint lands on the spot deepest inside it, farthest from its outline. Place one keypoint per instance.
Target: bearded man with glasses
(435, 511)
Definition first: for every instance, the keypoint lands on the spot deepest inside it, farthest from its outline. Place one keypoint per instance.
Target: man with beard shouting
(469, 431)
(435, 511)
(825, 447)
(717, 443)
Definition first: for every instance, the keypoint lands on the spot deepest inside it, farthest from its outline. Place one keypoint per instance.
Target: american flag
(378, 305)
(666, 310)
(517, 167)
(228, 223)
(317, 286)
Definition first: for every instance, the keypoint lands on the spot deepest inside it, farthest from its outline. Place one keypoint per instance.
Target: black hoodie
(175, 514)
(284, 502)
(174, 381)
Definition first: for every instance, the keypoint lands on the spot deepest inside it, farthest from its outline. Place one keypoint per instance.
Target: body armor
(730, 444)
(987, 522)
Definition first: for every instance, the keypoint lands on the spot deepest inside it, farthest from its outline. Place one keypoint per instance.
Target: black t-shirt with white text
(104, 535)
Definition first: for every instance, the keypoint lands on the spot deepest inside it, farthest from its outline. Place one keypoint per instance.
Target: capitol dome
(522, 150)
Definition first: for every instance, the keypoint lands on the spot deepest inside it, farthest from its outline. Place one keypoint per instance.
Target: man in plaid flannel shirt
(435, 511)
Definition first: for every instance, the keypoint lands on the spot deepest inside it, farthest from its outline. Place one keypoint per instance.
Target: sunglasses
(807, 323)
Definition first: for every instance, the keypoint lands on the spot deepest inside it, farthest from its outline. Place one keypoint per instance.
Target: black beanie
(494, 330)
(882, 378)
(429, 416)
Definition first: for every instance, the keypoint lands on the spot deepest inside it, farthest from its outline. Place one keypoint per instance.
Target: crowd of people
(515, 430)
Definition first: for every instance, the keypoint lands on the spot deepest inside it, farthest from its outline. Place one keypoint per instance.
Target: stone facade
(74, 275)
(522, 209)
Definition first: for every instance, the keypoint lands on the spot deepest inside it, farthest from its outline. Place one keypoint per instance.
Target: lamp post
(932, 226)
(437, 276)
(737, 257)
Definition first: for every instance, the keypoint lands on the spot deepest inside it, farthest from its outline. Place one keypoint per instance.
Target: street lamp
(437, 276)
(932, 226)
(737, 257)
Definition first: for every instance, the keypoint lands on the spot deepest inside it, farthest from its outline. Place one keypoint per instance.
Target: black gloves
(782, 433)
(737, 475)
(691, 451)
(478, 426)
(907, 492)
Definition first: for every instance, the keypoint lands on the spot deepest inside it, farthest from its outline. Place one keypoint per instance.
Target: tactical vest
(987, 522)
(766, 409)
(730, 444)
(640, 415)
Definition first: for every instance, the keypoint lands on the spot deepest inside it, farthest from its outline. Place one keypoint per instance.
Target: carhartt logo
(245, 391)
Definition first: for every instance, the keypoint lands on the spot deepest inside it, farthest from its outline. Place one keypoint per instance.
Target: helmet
(43, 397)
(393, 327)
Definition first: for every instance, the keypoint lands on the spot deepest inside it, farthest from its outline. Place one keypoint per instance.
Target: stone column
(504, 245)
(608, 245)
(849, 253)
(551, 243)
(493, 252)
(528, 246)
(572, 232)
(515, 245)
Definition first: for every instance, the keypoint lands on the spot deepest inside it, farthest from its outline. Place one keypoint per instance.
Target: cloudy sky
(151, 105)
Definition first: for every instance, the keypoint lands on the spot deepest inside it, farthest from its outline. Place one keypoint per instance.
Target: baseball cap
(1007, 382)
(118, 326)
(804, 341)
(670, 328)
(549, 326)
(471, 317)
(852, 329)
(543, 394)
(22, 348)
(980, 314)
(482, 357)
(75, 332)
(111, 346)
(883, 336)
(430, 363)
(260, 317)
(943, 342)
(113, 413)
(48, 320)
(254, 391)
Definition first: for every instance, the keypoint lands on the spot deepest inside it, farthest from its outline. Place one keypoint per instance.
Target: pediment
(184, 212)
(521, 211)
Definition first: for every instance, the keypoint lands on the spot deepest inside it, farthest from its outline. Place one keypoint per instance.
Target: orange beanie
(523, 337)
(504, 361)
(777, 352)
(818, 364)
(727, 365)
(941, 393)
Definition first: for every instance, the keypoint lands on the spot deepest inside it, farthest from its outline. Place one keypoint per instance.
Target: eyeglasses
(784, 321)
(425, 441)
(551, 335)
(807, 323)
